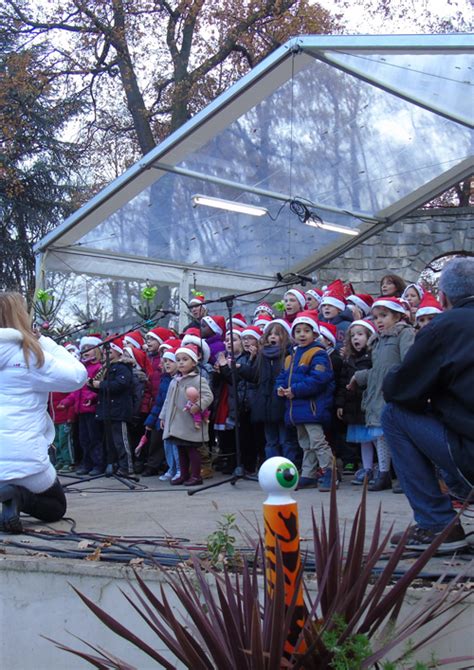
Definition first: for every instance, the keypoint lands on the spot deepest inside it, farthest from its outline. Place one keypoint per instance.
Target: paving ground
(154, 510)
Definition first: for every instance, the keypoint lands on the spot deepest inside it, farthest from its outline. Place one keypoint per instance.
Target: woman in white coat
(30, 367)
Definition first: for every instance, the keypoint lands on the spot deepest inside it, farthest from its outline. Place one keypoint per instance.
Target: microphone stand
(239, 471)
(109, 447)
(73, 330)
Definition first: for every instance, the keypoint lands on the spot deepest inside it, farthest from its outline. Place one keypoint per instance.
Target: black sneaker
(419, 539)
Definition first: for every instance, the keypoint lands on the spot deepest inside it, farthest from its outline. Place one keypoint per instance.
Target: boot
(382, 482)
(10, 497)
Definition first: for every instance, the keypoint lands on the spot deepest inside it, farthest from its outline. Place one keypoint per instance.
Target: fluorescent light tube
(334, 227)
(230, 205)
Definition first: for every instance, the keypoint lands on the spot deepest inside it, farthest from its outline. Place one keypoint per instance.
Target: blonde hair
(13, 314)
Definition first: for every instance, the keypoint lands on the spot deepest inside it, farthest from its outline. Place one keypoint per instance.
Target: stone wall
(405, 248)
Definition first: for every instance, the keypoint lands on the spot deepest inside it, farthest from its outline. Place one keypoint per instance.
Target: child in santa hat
(197, 309)
(388, 347)
(213, 331)
(334, 310)
(349, 402)
(264, 362)
(153, 423)
(413, 294)
(428, 308)
(177, 424)
(142, 399)
(295, 301)
(115, 406)
(228, 409)
(307, 384)
(84, 402)
(153, 341)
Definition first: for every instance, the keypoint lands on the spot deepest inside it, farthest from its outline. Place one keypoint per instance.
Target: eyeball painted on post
(277, 475)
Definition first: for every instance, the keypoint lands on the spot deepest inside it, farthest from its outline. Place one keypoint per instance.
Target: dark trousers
(121, 442)
(189, 461)
(156, 452)
(50, 505)
(90, 438)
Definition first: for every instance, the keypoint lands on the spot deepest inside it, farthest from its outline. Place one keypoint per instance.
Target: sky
(359, 21)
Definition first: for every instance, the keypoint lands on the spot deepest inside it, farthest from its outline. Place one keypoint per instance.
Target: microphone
(169, 311)
(303, 279)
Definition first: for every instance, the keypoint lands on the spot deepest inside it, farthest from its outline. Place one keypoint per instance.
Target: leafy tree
(35, 167)
(158, 61)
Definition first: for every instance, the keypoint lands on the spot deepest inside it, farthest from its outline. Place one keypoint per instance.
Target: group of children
(306, 385)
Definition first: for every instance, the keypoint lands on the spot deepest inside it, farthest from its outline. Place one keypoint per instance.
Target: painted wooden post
(278, 477)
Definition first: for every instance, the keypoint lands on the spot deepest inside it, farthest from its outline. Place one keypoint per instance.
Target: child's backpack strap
(308, 355)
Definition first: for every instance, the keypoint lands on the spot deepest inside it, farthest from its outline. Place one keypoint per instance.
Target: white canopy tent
(360, 129)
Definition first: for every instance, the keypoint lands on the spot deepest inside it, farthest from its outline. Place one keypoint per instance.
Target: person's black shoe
(10, 520)
(138, 468)
(82, 471)
(228, 469)
(396, 488)
(150, 472)
(419, 539)
(382, 482)
(95, 472)
(124, 473)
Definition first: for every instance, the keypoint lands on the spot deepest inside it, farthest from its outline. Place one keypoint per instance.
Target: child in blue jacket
(307, 383)
(170, 369)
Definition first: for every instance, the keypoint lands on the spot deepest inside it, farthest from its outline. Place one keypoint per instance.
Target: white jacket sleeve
(60, 371)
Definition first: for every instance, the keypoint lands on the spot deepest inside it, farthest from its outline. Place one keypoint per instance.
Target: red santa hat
(193, 336)
(236, 330)
(363, 301)
(90, 341)
(135, 338)
(197, 300)
(71, 347)
(266, 308)
(262, 320)
(190, 350)
(171, 343)
(416, 287)
(390, 303)
(161, 334)
(117, 344)
(216, 323)
(428, 305)
(329, 331)
(365, 323)
(169, 353)
(299, 295)
(252, 331)
(142, 362)
(281, 322)
(309, 317)
(315, 293)
(237, 320)
(334, 295)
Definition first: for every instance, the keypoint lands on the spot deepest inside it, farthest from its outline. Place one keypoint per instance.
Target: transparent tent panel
(114, 303)
(324, 136)
(162, 224)
(443, 80)
(334, 139)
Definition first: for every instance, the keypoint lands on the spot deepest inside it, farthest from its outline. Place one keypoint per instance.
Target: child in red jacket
(63, 418)
(84, 402)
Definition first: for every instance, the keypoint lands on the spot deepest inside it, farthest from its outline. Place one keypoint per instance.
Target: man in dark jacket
(429, 420)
